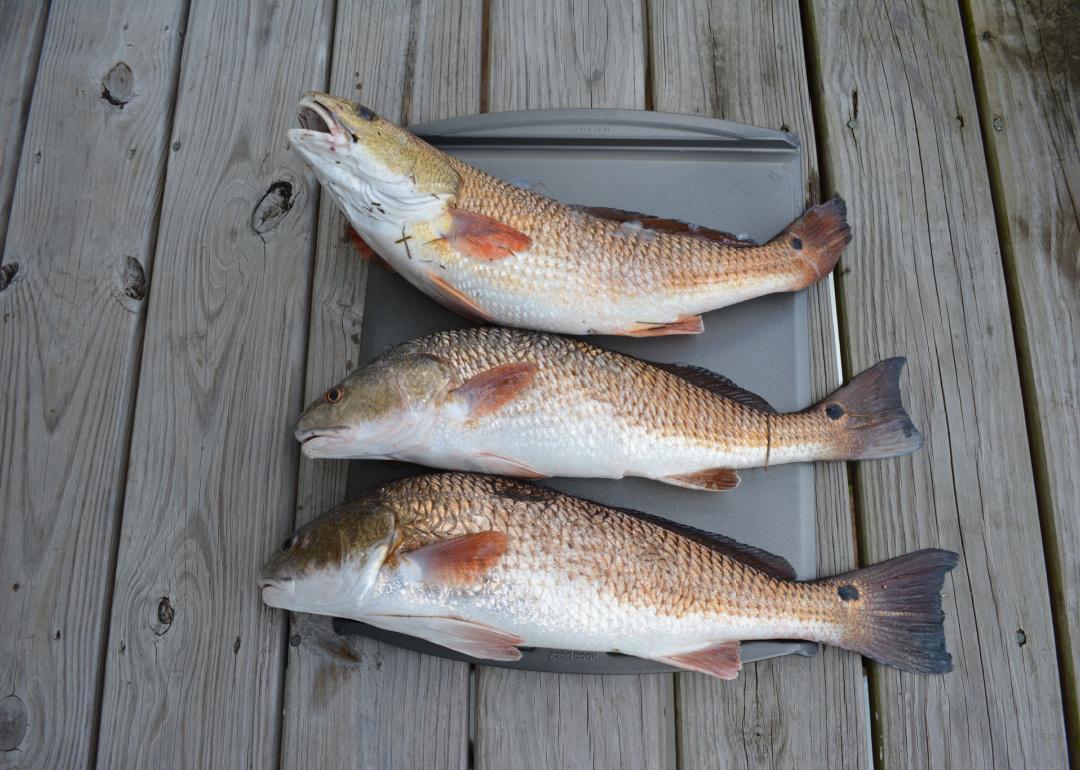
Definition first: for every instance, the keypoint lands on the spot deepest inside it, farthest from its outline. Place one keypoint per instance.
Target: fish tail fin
(815, 240)
(891, 612)
(869, 416)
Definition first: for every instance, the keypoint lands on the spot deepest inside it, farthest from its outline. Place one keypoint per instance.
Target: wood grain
(1028, 76)
(566, 54)
(925, 280)
(353, 702)
(194, 662)
(22, 27)
(82, 231)
(571, 720)
(545, 56)
(788, 712)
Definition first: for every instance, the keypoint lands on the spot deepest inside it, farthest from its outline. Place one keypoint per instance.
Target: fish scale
(484, 565)
(493, 251)
(532, 404)
(657, 571)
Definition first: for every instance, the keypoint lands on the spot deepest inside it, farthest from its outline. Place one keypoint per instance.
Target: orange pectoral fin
(459, 560)
(492, 388)
(711, 480)
(457, 301)
(364, 249)
(691, 324)
(719, 660)
(484, 238)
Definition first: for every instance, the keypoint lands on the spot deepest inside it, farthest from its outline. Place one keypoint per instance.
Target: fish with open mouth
(485, 565)
(533, 405)
(498, 253)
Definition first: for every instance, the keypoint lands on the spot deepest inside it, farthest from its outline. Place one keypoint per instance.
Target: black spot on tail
(893, 611)
(871, 413)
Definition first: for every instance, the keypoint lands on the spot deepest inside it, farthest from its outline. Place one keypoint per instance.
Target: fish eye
(364, 112)
(334, 395)
(290, 541)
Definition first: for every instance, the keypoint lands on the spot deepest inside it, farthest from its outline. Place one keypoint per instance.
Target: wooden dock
(174, 286)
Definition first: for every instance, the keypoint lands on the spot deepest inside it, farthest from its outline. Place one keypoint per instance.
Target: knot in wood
(12, 722)
(117, 87)
(272, 207)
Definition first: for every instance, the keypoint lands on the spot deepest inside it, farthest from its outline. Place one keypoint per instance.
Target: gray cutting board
(740, 179)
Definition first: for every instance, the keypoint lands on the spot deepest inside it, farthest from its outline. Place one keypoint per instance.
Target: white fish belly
(531, 290)
(576, 438)
(549, 609)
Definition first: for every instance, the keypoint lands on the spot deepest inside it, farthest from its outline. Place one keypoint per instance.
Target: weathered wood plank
(22, 27)
(1028, 76)
(528, 720)
(789, 712)
(194, 662)
(543, 56)
(355, 702)
(82, 227)
(924, 279)
(566, 54)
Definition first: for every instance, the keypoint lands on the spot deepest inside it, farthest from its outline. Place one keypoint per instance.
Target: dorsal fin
(716, 383)
(759, 559)
(665, 225)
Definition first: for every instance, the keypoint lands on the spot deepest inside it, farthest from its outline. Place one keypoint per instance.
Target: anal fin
(720, 660)
(465, 636)
(691, 324)
(710, 479)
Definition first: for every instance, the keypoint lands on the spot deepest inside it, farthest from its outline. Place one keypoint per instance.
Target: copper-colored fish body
(483, 565)
(492, 250)
(531, 405)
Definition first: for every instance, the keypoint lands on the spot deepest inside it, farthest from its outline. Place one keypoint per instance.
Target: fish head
(330, 565)
(377, 171)
(379, 411)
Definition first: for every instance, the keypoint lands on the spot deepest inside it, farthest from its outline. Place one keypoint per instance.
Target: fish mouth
(314, 117)
(276, 592)
(285, 585)
(320, 442)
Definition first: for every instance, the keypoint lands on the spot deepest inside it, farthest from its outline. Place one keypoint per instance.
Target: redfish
(484, 565)
(502, 254)
(532, 405)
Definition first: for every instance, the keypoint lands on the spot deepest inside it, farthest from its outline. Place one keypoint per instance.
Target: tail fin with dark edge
(893, 611)
(817, 238)
(870, 414)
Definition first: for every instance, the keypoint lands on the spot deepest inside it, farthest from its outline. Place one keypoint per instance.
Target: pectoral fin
(719, 660)
(710, 479)
(458, 561)
(465, 636)
(484, 238)
(363, 248)
(491, 389)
